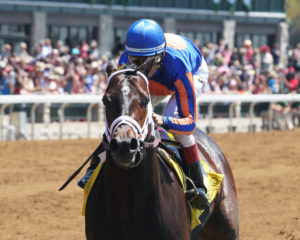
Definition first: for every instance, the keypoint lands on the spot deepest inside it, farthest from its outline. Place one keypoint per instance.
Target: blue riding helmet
(145, 38)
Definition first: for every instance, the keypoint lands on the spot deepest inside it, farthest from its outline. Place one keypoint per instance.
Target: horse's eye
(144, 102)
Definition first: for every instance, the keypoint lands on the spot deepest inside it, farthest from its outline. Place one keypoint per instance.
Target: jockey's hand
(158, 120)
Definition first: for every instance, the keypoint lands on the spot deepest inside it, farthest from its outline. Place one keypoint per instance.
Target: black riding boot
(196, 196)
(94, 163)
(193, 169)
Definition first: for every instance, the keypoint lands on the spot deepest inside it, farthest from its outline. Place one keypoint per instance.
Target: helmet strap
(159, 60)
(162, 56)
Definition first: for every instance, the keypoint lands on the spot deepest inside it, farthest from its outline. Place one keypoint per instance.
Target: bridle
(141, 132)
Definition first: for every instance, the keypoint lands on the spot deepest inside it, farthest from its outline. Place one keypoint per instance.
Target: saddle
(168, 151)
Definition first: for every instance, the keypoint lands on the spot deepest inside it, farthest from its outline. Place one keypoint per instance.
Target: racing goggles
(139, 60)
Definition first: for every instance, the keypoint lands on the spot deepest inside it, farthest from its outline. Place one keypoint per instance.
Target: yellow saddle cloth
(89, 185)
(212, 182)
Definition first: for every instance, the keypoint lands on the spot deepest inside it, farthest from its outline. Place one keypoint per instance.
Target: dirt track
(266, 167)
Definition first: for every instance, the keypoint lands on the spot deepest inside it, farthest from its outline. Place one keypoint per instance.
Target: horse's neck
(145, 199)
(138, 187)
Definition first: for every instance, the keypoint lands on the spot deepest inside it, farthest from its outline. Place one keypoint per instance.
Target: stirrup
(197, 198)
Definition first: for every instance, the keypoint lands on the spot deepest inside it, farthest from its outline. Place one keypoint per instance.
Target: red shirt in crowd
(293, 84)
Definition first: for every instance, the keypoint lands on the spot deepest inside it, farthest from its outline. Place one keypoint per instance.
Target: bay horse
(137, 196)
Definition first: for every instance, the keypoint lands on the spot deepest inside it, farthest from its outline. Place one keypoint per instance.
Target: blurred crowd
(251, 70)
(59, 69)
(54, 68)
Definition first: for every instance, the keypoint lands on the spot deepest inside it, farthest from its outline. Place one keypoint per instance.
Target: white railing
(95, 100)
(235, 99)
(37, 100)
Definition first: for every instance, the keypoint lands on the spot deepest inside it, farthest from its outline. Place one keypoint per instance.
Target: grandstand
(71, 27)
(262, 21)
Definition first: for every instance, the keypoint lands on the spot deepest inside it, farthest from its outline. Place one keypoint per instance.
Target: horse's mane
(132, 67)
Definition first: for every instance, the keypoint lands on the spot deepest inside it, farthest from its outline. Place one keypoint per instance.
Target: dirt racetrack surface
(266, 167)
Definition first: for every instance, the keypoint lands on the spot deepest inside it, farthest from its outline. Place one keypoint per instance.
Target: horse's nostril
(113, 146)
(134, 144)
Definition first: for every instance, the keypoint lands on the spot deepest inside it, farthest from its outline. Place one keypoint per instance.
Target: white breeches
(171, 110)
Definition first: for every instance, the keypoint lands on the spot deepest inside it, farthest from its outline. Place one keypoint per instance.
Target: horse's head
(128, 115)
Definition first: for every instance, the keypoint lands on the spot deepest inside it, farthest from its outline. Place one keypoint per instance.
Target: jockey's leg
(191, 161)
(94, 163)
(193, 169)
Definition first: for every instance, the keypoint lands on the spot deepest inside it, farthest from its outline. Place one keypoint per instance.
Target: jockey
(178, 70)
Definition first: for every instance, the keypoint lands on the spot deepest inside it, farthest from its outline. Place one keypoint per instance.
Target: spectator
(46, 49)
(273, 82)
(210, 51)
(249, 51)
(295, 61)
(6, 53)
(275, 53)
(84, 50)
(89, 79)
(76, 84)
(233, 86)
(226, 53)
(266, 59)
(221, 45)
(259, 84)
(256, 59)
(243, 56)
(290, 81)
(94, 51)
(3, 78)
(40, 84)
(24, 54)
(234, 55)
(74, 54)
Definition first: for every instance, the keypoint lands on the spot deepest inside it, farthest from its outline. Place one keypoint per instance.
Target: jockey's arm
(185, 98)
(186, 104)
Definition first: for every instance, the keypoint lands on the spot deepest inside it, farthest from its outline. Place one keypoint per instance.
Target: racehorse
(137, 196)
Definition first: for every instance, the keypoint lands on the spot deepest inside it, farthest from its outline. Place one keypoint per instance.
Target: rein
(79, 169)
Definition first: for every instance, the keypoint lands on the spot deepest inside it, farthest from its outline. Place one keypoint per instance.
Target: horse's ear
(111, 67)
(147, 66)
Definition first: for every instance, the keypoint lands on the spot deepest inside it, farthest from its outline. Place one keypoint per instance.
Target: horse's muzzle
(126, 153)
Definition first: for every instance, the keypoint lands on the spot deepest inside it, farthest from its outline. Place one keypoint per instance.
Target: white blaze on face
(125, 90)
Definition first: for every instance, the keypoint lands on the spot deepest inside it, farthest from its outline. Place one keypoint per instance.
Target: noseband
(140, 132)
